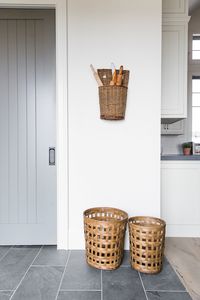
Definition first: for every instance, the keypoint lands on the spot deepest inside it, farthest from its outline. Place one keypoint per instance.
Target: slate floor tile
(26, 246)
(80, 276)
(168, 296)
(5, 295)
(87, 295)
(40, 283)
(14, 265)
(122, 284)
(166, 280)
(50, 256)
(3, 250)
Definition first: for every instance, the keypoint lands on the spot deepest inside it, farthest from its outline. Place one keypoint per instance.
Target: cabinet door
(180, 190)
(174, 71)
(173, 129)
(174, 6)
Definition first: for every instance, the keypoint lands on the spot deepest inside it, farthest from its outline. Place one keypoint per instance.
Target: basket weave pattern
(147, 241)
(112, 99)
(104, 230)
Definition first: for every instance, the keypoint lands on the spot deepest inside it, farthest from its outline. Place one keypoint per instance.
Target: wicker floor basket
(147, 240)
(104, 230)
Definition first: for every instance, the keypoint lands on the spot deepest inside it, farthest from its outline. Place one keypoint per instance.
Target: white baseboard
(183, 230)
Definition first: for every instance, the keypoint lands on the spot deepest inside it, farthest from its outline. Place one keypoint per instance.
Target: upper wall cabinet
(174, 62)
(174, 6)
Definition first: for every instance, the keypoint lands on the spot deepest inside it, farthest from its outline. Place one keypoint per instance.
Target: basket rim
(109, 69)
(113, 86)
(162, 222)
(105, 208)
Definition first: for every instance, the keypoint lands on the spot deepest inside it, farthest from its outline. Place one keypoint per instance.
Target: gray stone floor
(35, 272)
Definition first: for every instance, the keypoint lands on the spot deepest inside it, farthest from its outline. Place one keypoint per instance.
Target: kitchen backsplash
(172, 144)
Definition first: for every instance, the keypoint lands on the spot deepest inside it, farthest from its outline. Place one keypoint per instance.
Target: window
(196, 109)
(196, 46)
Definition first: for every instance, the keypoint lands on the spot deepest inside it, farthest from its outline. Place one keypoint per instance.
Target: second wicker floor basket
(147, 242)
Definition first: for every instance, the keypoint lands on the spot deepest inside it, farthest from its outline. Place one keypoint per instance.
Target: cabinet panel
(180, 190)
(173, 129)
(174, 6)
(174, 71)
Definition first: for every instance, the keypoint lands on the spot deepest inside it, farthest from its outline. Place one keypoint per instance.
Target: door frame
(60, 7)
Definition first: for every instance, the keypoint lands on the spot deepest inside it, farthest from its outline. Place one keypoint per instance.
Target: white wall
(114, 163)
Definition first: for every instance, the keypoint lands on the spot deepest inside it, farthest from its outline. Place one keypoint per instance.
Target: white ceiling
(193, 4)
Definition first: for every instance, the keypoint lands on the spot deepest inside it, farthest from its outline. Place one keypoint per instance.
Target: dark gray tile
(40, 283)
(80, 276)
(166, 280)
(81, 295)
(50, 256)
(168, 296)
(26, 246)
(14, 265)
(3, 250)
(122, 284)
(5, 295)
(126, 259)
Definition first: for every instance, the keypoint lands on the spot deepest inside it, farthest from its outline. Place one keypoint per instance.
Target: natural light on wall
(196, 46)
(196, 109)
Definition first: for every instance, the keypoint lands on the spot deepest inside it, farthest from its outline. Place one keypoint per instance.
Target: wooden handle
(114, 78)
(119, 76)
(96, 76)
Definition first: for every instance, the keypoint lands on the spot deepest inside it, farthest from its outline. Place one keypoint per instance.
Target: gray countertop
(179, 157)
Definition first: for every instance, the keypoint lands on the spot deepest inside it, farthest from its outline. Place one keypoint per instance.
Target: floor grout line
(26, 273)
(167, 291)
(5, 253)
(143, 285)
(63, 290)
(101, 285)
(59, 287)
(40, 266)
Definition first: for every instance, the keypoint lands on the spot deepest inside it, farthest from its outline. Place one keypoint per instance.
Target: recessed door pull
(52, 156)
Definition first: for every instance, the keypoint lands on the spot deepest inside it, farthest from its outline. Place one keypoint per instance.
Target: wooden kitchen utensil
(96, 76)
(119, 76)
(114, 78)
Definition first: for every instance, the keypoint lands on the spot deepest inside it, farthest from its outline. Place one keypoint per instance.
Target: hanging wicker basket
(112, 99)
(147, 241)
(104, 230)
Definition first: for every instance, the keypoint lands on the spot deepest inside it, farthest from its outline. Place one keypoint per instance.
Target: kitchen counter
(179, 157)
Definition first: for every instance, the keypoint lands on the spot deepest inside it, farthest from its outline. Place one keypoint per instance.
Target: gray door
(27, 127)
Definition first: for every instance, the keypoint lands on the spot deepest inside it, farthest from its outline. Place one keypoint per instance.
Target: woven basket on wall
(147, 241)
(104, 230)
(112, 99)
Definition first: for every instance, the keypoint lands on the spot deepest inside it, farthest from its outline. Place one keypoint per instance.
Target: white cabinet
(174, 71)
(174, 6)
(176, 128)
(180, 201)
(174, 61)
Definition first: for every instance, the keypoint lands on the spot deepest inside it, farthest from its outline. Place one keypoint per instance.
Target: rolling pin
(96, 76)
(119, 76)
(114, 78)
